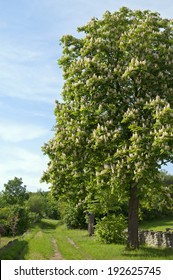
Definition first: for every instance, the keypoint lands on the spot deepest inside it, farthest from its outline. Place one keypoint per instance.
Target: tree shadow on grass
(165, 222)
(47, 225)
(14, 250)
(50, 225)
(150, 253)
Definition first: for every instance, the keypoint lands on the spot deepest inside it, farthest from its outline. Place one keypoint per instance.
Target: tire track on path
(57, 255)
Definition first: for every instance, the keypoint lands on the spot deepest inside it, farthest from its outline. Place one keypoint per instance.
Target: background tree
(159, 203)
(115, 128)
(15, 192)
(52, 207)
(14, 214)
(2, 200)
(37, 203)
(43, 204)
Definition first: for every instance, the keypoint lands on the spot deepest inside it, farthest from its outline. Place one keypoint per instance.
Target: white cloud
(37, 83)
(21, 159)
(19, 54)
(14, 132)
(29, 73)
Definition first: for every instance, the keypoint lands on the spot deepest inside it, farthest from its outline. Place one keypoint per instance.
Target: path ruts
(57, 255)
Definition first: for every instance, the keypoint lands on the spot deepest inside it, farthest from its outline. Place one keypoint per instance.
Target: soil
(57, 255)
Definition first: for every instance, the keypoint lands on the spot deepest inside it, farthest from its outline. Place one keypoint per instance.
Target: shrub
(111, 229)
(75, 217)
(17, 220)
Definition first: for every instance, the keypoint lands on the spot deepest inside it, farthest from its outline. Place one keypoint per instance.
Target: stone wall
(157, 238)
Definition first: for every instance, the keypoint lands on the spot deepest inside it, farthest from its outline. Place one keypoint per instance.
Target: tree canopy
(15, 192)
(114, 128)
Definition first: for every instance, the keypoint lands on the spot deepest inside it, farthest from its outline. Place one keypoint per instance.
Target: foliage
(15, 219)
(52, 207)
(4, 212)
(14, 215)
(2, 200)
(36, 204)
(43, 204)
(75, 217)
(159, 203)
(18, 220)
(114, 128)
(15, 192)
(111, 229)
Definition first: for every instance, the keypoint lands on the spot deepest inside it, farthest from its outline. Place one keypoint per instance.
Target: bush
(111, 229)
(15, 219)
(33, 218)
(18, 220)
(75, 217)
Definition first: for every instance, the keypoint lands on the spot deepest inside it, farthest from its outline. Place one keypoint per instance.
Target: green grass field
(51, 239)
(158, 225)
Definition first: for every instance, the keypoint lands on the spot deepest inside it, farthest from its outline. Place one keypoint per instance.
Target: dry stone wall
(157, 238)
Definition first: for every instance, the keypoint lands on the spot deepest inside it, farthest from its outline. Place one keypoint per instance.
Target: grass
(40, 245)
(69, 246)
(13, 251)
(4, 241)
(36, 244)
(158, 224)
(89, 248)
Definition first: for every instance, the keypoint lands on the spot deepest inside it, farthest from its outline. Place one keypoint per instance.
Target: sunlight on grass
(5, 240)
(89, 248)
(158, 225)
(39, 247)
(36, 244)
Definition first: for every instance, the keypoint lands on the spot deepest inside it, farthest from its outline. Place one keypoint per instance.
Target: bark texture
(91, 224)
(132, 242)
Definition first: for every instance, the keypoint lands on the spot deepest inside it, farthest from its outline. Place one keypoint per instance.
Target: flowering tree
(115, 127)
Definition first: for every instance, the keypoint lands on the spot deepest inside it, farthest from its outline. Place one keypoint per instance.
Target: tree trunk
(132, 242)
(91, 224)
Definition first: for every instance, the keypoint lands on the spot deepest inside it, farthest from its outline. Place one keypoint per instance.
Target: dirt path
(57, 255)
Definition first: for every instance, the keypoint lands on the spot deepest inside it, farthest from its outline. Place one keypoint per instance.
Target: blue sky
(30, 80)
